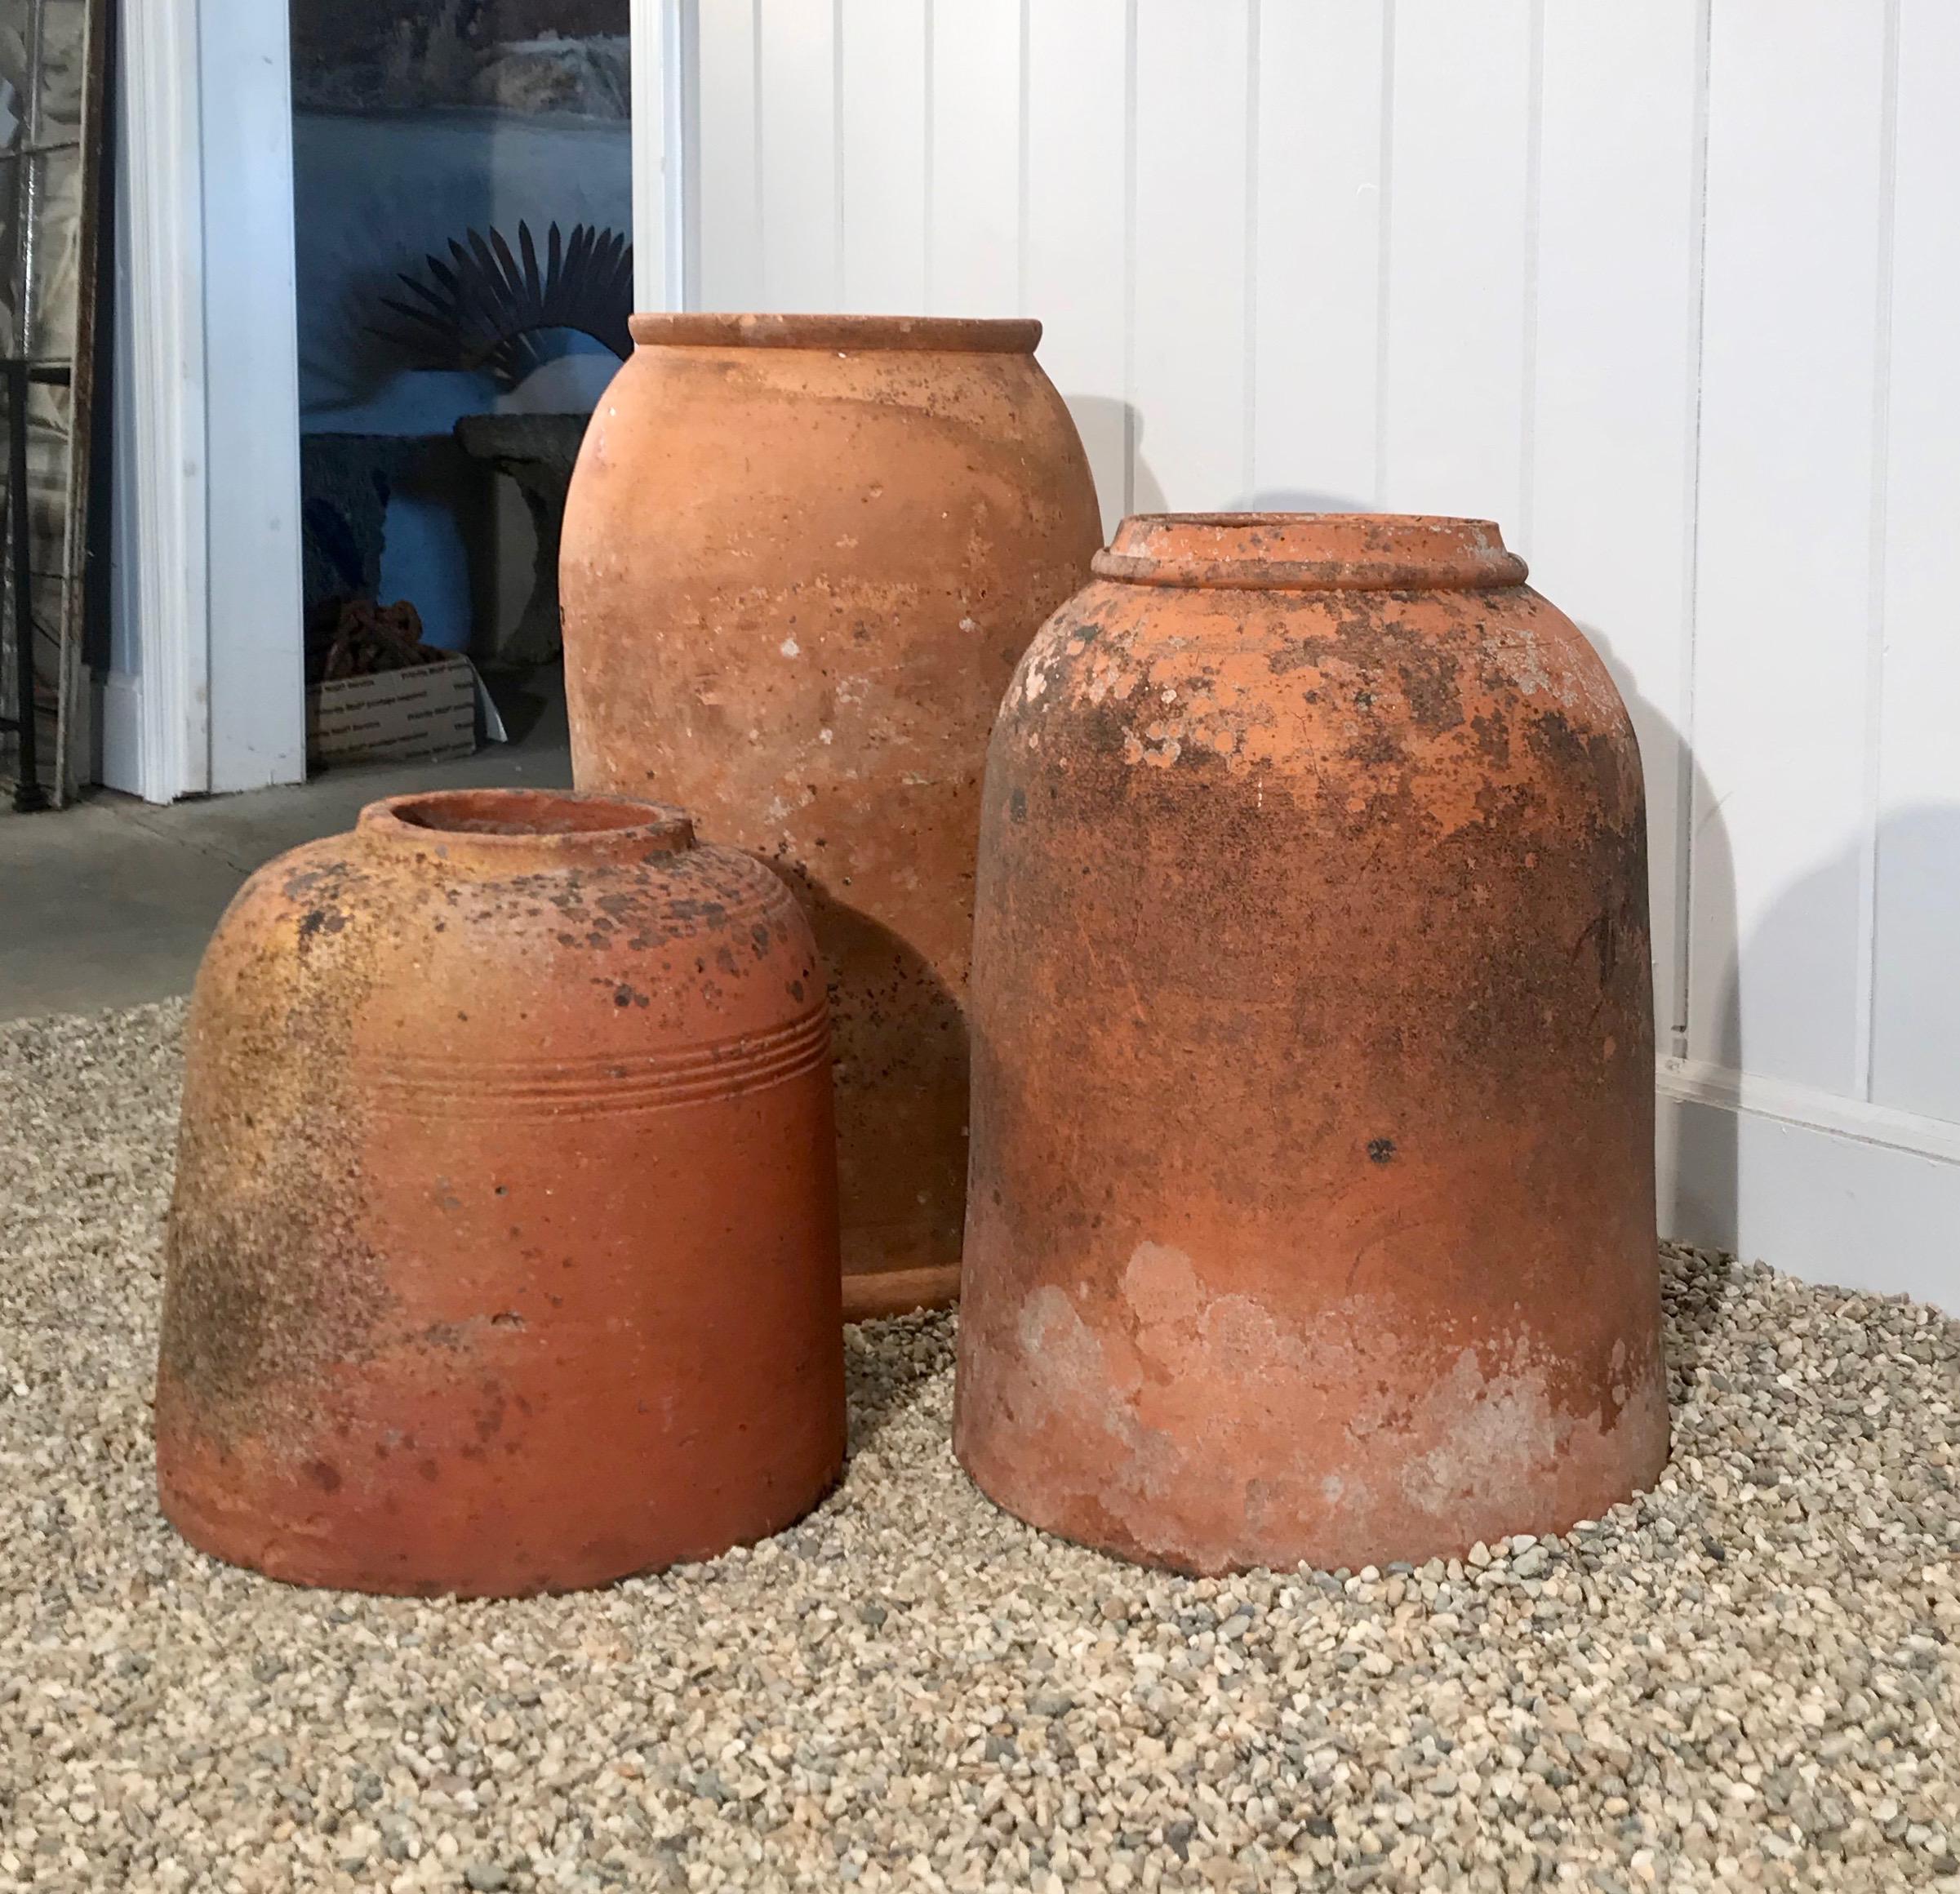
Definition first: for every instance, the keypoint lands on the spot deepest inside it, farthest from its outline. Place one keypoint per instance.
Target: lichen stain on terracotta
(503, 1252)
(802, 556)
(1311, 1212)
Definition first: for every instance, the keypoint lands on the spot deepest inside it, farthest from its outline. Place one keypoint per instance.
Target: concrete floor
(110, 903)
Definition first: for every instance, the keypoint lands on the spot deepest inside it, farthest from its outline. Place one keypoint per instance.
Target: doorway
(287, 443)
(463, 190)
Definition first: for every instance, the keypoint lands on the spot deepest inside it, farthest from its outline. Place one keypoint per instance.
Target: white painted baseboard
(1832, 1190)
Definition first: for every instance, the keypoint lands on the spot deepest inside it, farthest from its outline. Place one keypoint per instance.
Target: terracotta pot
(502, 1257)
(1312, 1208)
(801, 555)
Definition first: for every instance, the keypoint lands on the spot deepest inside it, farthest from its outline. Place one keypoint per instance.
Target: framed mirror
(53, 66)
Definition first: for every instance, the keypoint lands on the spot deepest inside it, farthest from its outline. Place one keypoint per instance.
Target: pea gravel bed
(1747, 1676)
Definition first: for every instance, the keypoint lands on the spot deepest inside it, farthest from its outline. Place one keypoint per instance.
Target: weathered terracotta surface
(1312, 1211)
(502, 1257)
(801, 555)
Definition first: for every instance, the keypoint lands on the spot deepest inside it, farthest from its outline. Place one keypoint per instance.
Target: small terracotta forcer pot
(801, 555)
(1311, 1217)
(503, 1254)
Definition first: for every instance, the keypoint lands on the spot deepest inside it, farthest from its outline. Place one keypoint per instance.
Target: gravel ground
(1748, 1677)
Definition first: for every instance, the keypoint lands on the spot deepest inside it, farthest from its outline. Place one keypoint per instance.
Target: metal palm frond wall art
(489, 308)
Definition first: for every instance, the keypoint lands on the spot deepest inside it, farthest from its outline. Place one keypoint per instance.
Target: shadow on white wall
(1113, 434)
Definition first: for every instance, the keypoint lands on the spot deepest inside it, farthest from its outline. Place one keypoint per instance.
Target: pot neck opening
(524, 830)
(1311, 552)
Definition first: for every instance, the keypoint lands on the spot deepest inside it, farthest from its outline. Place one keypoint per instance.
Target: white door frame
(206, 688)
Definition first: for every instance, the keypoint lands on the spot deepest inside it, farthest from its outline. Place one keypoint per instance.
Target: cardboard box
(426, 714)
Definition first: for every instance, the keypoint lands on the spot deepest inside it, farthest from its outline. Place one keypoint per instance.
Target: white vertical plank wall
(1076, 242)
(728, 160)
(1790, 357)
(1665, 290)
(1455, 394)
(1913, 779)
(974, 82)
(1318, 228)
(1191, 267)
(1615, 351)
(882, 50)
(797, 158)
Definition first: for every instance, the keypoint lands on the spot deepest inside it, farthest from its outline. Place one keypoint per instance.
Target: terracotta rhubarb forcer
(1312, 1208)
(800, 557)
(502, 1257)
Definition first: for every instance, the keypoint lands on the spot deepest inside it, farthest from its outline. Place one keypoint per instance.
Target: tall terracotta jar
(1312, 1207)
(503, 1256)
(801, 555)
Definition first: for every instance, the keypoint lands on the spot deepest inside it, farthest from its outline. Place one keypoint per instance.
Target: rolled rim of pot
(502, 827)
(967, 334)
(1314, 552)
